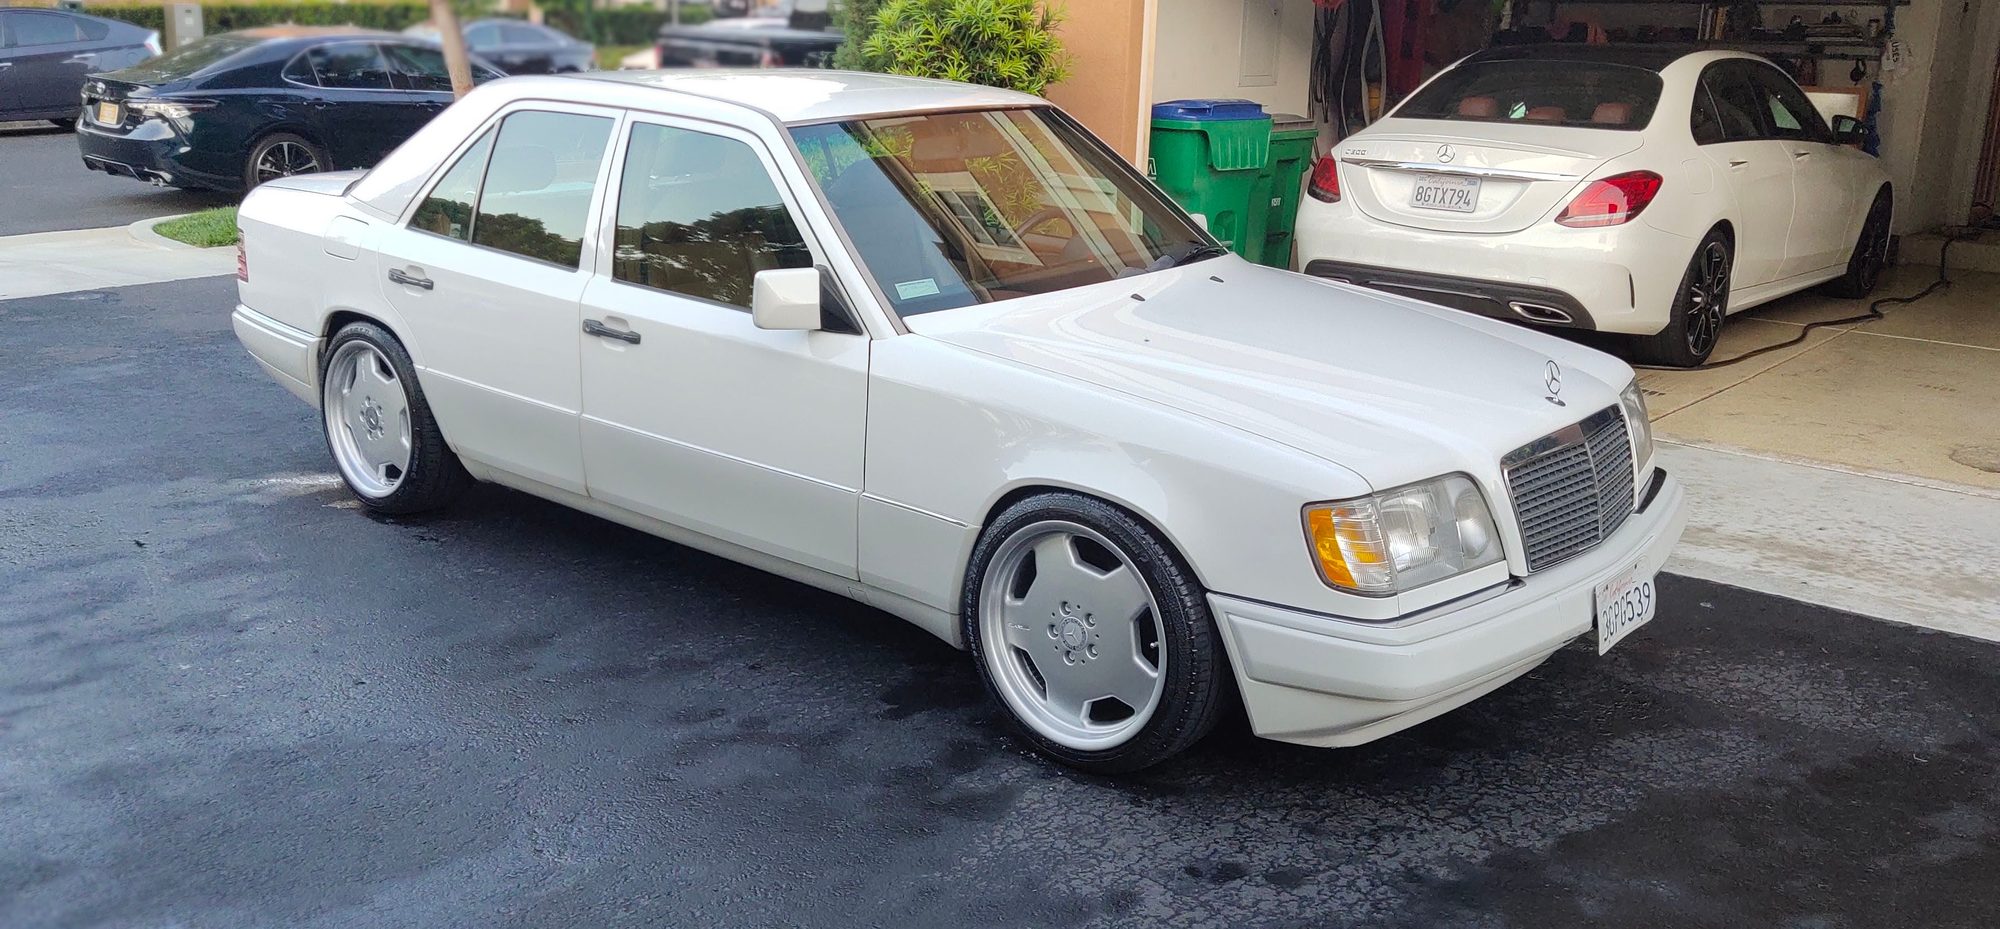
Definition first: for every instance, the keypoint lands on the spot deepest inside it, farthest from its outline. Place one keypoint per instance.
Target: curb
(142, 233)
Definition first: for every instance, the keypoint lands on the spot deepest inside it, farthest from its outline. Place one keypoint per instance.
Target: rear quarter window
(1592, 95)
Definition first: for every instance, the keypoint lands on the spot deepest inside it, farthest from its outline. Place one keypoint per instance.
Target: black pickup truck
(800, 39)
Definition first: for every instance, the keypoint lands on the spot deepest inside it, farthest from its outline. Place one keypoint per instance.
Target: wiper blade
(1198, 253)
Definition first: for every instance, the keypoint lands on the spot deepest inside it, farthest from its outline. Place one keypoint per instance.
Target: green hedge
(227, 17)
(622, 26)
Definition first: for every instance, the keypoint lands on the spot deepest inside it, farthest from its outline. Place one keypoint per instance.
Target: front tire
(1870, 255)
(378, 427)
(1694, 324)
(1092, 634)
(282, 154)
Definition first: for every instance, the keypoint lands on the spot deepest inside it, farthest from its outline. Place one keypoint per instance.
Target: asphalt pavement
(231, 699)
(44, 187)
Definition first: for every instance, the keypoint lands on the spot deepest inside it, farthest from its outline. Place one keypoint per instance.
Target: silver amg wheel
(367, 415)
(1073, 635)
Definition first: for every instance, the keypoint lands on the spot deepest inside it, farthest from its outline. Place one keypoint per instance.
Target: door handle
(84, 59)
(1738, 162)
(598, 328)
(409, 280)
(1801, 156)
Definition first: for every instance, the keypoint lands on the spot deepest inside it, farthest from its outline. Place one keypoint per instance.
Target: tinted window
(522, 35)
(536, 199)
(418, 68)
(482, 35)
(698, 215)
(1791, 113)
(40, 28)
(951, 209)
(300, 70)
(449, 209)
(1570, 93)
(350, 65)
(1736, 103)
(93, 29)
(1702, 122)
(193, 57)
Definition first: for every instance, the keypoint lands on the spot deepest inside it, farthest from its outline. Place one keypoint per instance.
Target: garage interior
(1912, 394)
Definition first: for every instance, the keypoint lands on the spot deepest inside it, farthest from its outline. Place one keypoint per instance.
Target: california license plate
(1624, 603)
(1445, 192)
(107, 113)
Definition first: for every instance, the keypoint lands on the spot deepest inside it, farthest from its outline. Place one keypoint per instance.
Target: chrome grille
(1572, 488)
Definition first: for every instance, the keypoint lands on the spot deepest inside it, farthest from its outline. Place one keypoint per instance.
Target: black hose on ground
(1874, 312)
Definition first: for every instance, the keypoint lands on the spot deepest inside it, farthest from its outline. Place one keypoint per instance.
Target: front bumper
(1322, 680)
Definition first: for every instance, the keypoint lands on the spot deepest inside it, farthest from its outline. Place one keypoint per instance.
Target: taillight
(242, 260)
(1325, 184)
(1612, 200)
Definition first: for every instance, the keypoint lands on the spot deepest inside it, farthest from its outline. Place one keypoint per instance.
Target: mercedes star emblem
(1552, 380)
(1445, 154)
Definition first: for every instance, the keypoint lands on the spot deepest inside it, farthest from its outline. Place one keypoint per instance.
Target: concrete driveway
(45, 187)
(231, 699)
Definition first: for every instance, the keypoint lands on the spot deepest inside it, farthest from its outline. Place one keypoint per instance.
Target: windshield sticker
(909, 290)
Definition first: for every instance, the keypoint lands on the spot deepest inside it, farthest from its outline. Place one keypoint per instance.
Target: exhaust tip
(1540, 313)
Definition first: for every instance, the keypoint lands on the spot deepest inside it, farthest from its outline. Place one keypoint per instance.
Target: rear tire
(1694, 324)
(1870, 255)
(282, 154)
(1092, 634)
(379, 429)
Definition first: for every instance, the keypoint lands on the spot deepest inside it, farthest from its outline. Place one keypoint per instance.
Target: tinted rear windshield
(193, 57)
(1593, 95)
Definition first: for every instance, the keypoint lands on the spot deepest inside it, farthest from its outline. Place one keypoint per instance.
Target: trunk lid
(1483, 178)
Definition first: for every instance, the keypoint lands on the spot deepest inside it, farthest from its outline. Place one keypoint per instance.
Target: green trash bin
(1278, 188)
(1208, 155)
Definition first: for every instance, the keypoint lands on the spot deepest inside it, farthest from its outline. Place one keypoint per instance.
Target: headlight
(1634, 402)
(1403, 538)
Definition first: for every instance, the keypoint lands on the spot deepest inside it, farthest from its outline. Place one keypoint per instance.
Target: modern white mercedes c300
(1631, 189)
(936, 348)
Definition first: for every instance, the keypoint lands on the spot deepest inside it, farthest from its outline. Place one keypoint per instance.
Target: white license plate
(1624, 603)
(107, 113)
(1443, 192)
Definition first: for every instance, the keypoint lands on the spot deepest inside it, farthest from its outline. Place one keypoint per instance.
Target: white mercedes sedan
(936, 348)
(1641, 190)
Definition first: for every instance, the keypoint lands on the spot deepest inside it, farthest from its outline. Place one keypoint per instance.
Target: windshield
(194, 56)
(952, 209)
(1594, 95)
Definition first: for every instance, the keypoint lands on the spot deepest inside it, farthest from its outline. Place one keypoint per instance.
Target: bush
(1000, 43)
(857, 22)
(392, 16)
(623, 26)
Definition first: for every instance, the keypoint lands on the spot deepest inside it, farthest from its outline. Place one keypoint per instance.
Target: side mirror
(1848, 131)
(1200, 219)
(785, 298)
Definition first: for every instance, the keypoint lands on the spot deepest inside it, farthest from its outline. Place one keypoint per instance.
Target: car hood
(1393, 389)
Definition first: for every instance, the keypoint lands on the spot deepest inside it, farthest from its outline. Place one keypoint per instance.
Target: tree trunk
(455, 58)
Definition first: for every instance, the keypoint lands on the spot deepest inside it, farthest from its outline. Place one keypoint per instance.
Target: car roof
(1649, 56)
(812, 95)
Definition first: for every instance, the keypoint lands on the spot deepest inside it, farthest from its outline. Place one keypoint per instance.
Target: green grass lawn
(206, 229)
(608, 56)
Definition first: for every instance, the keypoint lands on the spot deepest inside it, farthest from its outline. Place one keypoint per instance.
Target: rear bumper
(151, 152)
(1544, 306)
(290, 356)
(1616, 279)
(1322, 680)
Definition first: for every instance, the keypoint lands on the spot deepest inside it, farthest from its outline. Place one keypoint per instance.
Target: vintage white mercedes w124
(935, 348)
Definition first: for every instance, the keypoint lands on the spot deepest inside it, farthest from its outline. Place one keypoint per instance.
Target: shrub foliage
(1000, 43)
